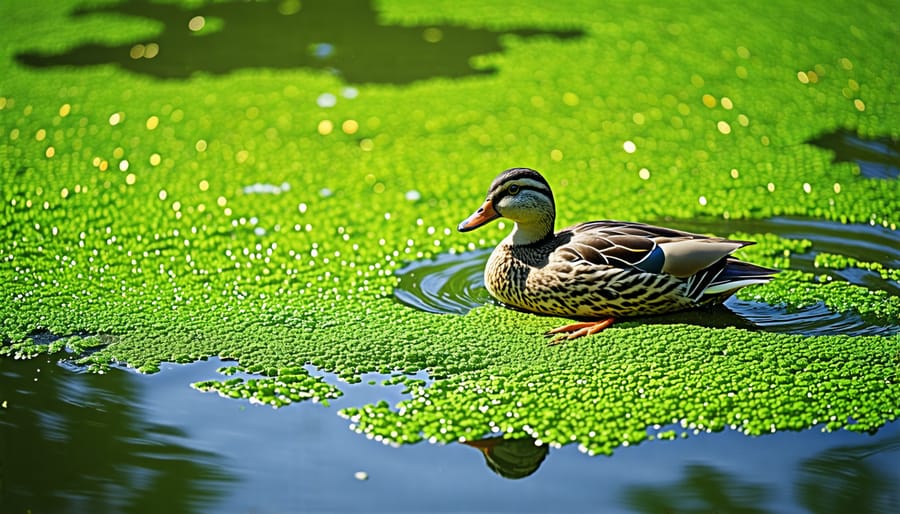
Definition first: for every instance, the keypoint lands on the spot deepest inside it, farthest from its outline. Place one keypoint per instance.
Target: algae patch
(607, 393)
(129, 208)
(290, 385)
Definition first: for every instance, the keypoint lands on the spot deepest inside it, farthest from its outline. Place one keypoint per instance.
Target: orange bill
(484, 214)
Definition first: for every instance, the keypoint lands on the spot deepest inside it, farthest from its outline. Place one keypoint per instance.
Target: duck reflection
(345, 37)
(511, 458)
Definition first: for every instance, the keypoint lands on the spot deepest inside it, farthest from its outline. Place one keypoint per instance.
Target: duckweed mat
(258, 213)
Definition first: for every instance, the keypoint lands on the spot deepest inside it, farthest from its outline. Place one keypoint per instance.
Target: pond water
(332, 35)
(876, 158)
(125, 442)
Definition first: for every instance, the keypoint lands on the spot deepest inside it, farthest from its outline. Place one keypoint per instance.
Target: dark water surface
(342, 37)
(125, 442)
(876, 158)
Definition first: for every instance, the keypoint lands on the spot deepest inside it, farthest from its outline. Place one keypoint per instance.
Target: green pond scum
(258, 214)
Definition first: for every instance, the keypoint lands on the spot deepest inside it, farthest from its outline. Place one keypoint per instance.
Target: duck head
(523, 196)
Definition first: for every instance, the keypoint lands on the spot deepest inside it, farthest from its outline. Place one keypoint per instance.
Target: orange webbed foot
(576, 330)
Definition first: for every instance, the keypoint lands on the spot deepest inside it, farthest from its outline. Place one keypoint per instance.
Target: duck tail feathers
(738, 274)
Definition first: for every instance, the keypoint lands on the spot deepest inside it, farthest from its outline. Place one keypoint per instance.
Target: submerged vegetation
(260, 214)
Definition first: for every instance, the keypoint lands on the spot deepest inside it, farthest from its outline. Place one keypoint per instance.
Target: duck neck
(532, 232)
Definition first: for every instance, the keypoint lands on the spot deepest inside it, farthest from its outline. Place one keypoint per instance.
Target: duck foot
(576, 330)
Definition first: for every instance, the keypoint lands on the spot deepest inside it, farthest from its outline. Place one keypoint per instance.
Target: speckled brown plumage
(600, 269)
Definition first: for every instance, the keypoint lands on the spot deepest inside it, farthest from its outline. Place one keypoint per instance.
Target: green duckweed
(149, 221)
(284, 389)
(832, 261)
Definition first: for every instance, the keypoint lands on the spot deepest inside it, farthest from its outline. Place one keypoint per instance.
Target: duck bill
(485, 444)
(486, 213)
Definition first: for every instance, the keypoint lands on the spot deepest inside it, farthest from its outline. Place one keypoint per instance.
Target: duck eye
(513, 189)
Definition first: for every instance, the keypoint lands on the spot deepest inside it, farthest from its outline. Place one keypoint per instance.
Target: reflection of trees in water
(343, 36)
(702, 489)
(838, 480)
(843, 479)
(76, 443)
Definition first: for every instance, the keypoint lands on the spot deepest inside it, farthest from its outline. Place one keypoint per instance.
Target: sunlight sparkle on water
(326, 100)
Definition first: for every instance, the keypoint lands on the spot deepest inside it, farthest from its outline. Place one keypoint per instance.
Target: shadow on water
(453, 283)
(344, 37)
(876, 158)
(79, 442)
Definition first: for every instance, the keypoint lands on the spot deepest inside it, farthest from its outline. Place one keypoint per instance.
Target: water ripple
(451, 283)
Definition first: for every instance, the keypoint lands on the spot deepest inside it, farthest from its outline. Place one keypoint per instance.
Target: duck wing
(648, 248)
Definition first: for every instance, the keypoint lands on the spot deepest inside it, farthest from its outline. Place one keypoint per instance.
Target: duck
(599, 271)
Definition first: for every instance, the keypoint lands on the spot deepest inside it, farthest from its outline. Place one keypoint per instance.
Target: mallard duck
(599, 270)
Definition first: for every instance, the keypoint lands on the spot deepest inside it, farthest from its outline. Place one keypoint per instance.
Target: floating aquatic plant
(238, 215)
